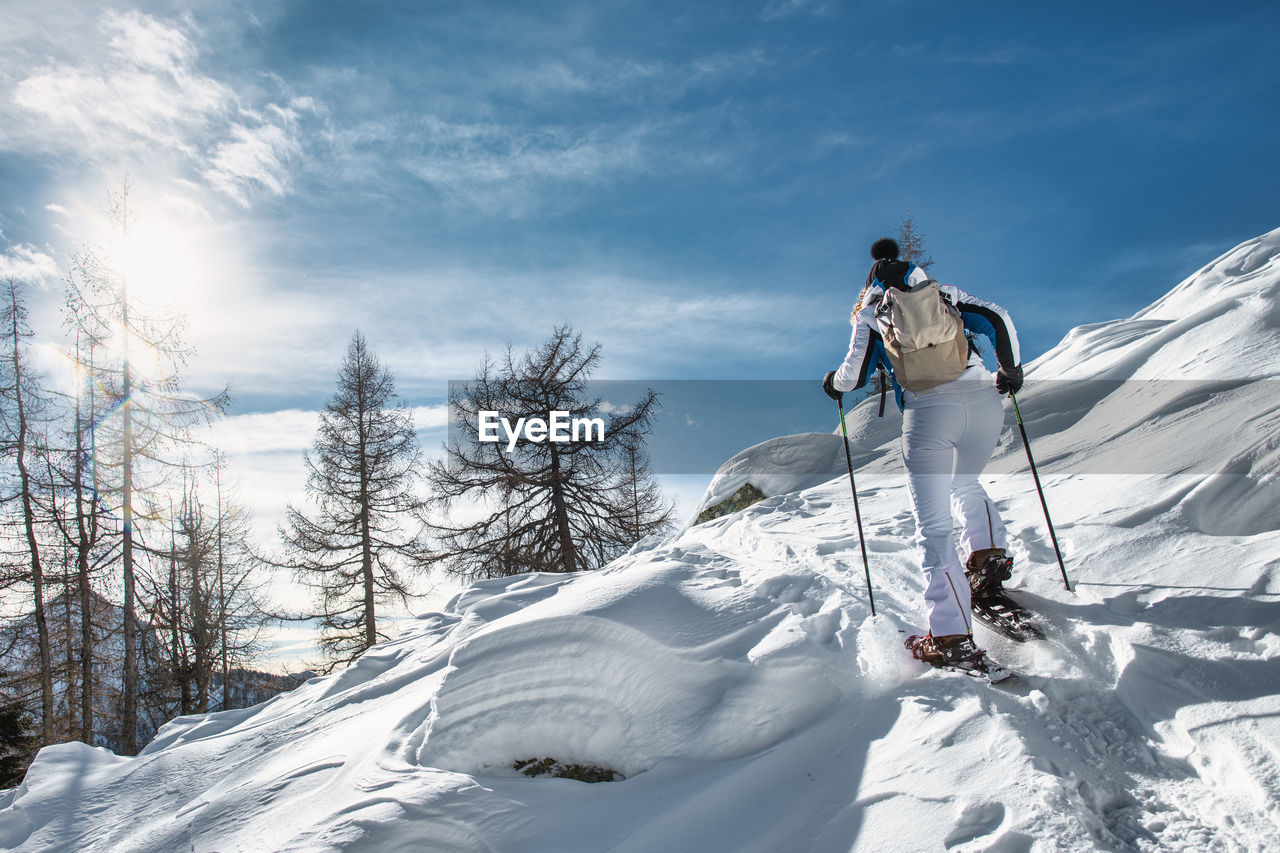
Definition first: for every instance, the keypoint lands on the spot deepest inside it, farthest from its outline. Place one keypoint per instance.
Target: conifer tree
(23, 400)
(547, 506)
(82, 523)
(911, 244)
(354, 547)
(17, 744)
(145, 414)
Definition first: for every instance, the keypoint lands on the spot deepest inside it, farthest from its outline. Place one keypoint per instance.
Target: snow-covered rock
(792, 463)
(734, 675)
(789, 463)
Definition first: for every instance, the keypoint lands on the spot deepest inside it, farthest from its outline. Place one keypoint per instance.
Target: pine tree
(548, 506)
(17, 744)
(361, 475)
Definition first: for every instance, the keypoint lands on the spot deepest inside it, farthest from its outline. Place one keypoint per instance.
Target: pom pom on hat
(884, 249)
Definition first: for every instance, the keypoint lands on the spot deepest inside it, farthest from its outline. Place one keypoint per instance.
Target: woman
(950, 425)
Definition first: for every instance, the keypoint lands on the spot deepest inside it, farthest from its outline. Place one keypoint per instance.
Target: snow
(733, 672)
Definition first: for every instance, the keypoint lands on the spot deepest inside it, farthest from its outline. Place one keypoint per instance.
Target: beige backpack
(923, 335)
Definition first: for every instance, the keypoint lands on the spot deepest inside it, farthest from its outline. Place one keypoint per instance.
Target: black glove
(1009, 381)
(828, 385)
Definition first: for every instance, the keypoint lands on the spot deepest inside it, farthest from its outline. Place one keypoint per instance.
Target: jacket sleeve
(987, 318)
(866, 353)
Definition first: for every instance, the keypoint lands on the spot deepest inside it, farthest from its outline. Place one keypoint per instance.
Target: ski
(1007, 617)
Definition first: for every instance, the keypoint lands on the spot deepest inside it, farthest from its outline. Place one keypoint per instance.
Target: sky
(693, 186)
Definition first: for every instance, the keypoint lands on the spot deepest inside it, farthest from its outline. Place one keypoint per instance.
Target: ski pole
(1040, 489)
(857, 513)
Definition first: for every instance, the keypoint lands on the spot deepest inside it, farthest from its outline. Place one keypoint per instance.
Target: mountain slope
(734, 675)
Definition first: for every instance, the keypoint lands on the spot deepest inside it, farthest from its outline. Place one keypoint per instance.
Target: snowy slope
(1185, 387)
(734, 675)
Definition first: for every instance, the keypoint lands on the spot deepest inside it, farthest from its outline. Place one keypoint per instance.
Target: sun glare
(177, 262)
(168, 262)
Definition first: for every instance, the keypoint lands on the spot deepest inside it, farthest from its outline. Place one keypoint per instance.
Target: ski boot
(952, 650)
(987, 570)
(957, 653)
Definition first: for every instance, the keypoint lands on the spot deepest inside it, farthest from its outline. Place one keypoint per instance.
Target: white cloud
(503, 170)
(24, 262)
(145, 96)
(430, 417)
(261, 432)
(254, 156)
(145, 89)
(147, 42)
(294, 429)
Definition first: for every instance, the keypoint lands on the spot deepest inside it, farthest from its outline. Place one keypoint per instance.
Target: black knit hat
(884, 249)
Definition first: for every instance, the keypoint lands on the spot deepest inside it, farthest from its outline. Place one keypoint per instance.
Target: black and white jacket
(866, 347)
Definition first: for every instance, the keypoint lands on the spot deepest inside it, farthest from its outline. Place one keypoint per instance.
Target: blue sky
(692, 185)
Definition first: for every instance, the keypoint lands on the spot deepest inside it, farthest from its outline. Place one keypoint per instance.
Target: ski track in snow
(733, 673)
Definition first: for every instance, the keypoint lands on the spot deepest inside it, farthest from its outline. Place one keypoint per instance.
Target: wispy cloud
(145, 89)
(1000, 55)
(497, 168)
(139, 91)
(839, 139)
(24, 262)
(258, 155)
(776, 9)
(585, 121)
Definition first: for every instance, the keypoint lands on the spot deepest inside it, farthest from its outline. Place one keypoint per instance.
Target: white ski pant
(948, 436)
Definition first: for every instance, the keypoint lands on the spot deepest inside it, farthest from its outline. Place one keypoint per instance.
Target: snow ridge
(734, 675)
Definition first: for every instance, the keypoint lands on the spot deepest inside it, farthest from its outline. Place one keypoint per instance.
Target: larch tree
(236, 597)
(206, 605)
(643, 510)
(145, 413)
(363, 532)
(83, 521)
(911, 244)
(547, 505)
(221, 613)
(23, 400)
